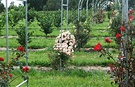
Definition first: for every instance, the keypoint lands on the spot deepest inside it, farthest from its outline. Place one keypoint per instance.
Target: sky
(16, 2)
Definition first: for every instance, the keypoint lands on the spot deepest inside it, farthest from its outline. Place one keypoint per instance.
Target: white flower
(65, 42)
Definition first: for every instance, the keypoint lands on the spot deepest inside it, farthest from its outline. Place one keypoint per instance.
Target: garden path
(85, 68)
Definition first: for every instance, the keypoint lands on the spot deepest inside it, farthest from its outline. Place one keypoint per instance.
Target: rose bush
(123, 68)
(63, 49)
(6, 68)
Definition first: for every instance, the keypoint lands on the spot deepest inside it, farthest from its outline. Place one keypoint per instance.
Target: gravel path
(85, 68)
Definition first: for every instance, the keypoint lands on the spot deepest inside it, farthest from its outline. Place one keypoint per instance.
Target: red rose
(118, 36)
(131, 18)
(131, 11)
(10, 75)
(122, 28)
(21, 49)
(1, 59)
(25, 69)
(108, 40)
(97, 47)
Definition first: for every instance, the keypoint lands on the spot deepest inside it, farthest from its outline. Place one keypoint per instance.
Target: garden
(90, 45)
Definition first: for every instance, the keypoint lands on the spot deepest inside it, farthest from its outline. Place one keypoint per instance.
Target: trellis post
(125, 19)
(79, 8)
(7, 49)
(87, 14)
(63, 5)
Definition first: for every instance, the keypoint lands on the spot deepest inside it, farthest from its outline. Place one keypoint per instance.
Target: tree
(21, 35)
(2, 21)
(46, 22)
(15, 14)
(52, 5)
(1, 7)
(37, 4)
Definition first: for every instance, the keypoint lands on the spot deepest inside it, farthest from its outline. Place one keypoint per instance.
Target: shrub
(22, 35)
(6, 68)
(81, 33)
(63, 48)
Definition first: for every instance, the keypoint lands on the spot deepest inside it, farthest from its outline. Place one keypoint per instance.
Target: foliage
(99, 16)
(1, 7)
(22, 35)
(81, 30)
(31, 15)
(46, 21)
(15, 16)
(72, 16)
(2, 21)
(58, 57)
(115, 25)
(57, 18)
(52, 5)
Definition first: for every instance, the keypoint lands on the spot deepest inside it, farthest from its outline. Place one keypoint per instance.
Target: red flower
(131, 18)
(108, 40)
(1, 59)
(131, 11)
(118, 36)
(122, 28)
(10, 75)
(25, 69)
(97, 47)
(21, 49)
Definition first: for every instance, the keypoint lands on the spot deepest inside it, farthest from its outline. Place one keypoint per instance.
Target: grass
(40, 58)
(93, 41)
(43, 42)
(67, 78)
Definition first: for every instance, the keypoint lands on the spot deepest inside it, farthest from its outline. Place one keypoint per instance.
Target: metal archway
(80, 8)
(62, 6)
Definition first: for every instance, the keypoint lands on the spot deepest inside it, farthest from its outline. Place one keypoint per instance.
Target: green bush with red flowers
(123, 68)
(6, 68)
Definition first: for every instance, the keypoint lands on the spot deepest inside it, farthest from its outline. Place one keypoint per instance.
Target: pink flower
(1, 59)
(118, 36)
(21, 49)
(97, 47)
(25, 69)
(108, 40)
(122, 28)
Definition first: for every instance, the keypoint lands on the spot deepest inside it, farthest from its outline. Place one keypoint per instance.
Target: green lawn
(67, 78)
(40, 58)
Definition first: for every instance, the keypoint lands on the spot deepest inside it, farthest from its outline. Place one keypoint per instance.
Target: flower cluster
(6, 68)
(65, 42)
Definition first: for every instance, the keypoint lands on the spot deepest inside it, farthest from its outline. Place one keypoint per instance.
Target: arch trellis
(80, 9)
(26, 39)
